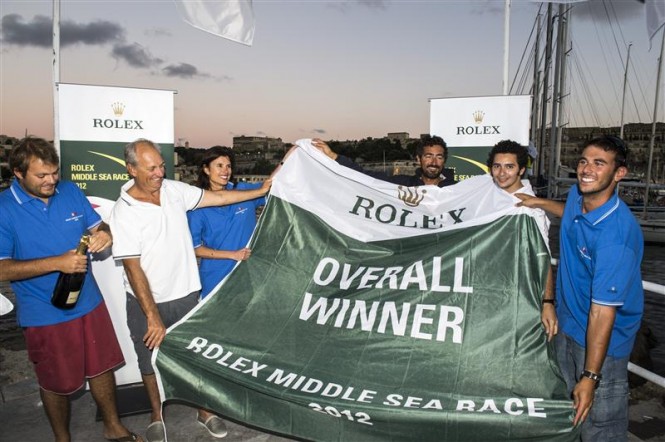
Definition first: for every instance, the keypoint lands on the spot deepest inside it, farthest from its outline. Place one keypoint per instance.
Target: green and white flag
(370, 311)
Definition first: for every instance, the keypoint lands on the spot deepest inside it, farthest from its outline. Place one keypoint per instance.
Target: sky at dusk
(329, 69)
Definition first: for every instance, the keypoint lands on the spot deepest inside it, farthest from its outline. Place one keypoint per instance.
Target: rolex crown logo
(118, 108)
(478, 116)
(410, 195)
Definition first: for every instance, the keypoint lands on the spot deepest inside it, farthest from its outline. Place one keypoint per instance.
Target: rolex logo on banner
(478, 117)
(116, 123)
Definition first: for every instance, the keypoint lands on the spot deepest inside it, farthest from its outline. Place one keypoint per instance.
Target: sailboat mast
(543, 104)
(562, 90)
(536, 84)
(652, 140)
(625, 83)
(556, 97)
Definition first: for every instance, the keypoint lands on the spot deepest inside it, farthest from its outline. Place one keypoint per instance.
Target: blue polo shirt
(222, 228)
(600, 253)
(30, 229)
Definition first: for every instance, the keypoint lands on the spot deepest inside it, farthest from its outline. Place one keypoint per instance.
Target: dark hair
(210, 155)
(130, 150)
(29, 148)
(431, 140)
(509, 146)
(610, 143)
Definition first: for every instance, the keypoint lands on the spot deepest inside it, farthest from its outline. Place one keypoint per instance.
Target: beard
(431, 173)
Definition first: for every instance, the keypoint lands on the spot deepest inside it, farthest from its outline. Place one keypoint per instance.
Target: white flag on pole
(232, 19)
(655, 10)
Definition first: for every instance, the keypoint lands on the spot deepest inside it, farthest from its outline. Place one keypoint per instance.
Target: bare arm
(237, 255)
(139, 282)
(599, 329)
(101, 238)
(68, 262)
(226, 197)
(548, 314)
(550, 206)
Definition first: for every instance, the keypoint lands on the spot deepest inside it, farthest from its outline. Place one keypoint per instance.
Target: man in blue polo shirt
(42, 222)
(599, 290)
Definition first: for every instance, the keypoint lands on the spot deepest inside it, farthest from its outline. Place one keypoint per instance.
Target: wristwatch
(596, 377)
(550, 301)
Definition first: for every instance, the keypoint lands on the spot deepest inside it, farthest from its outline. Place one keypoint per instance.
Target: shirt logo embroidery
(74, 217)
(241, 210)
(583, 252)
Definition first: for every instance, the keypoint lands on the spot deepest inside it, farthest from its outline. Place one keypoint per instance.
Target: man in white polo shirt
(152, 239)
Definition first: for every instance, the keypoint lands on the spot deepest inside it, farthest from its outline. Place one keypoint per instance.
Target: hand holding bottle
(72, 262)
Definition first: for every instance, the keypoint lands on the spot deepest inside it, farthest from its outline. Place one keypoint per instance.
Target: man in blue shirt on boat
(599, 290)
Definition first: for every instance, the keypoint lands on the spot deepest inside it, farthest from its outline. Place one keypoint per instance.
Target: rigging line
(645, 104)
(609, 20)
(603, 52)
(527, 73)
(583, 72)
(592, 107)
(632, 96)
(526, 48)
(612, 27)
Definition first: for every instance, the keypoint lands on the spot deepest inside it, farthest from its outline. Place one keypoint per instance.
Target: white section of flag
(231, 19)
(655, 10)
(369, 209)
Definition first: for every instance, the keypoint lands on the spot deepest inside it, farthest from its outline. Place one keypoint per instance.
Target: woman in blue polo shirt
(220, 234)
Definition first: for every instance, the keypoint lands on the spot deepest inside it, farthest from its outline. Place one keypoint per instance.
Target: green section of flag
(98, 168)
(288, 345)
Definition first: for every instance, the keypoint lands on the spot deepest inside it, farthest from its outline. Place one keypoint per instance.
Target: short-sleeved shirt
(159, 237)
(30, 229)
(601, 252)
(223, 228)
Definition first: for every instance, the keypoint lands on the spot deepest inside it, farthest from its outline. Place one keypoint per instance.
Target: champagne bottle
(69, 285)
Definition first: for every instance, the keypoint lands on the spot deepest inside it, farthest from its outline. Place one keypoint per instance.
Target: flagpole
(506, 45)
(56, 73)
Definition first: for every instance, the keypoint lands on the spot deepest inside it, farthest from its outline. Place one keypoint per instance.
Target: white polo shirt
(159, 236)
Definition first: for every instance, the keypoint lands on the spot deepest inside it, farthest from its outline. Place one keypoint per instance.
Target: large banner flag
(371, 311)
(470, 127)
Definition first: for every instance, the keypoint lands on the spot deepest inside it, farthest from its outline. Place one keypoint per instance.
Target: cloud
(260, 132)
(158, 32)
(373, 4)
(39, 32)
(183, 70)
(135, 55)
(319, 131)
(346, 5)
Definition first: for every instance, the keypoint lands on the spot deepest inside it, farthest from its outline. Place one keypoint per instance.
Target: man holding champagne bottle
(68, 332)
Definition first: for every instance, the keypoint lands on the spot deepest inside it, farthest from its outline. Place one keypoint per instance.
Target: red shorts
(66, 354)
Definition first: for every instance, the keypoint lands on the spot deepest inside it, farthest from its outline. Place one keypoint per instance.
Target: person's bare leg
(56, 407)
(102, 388)
(150, 383)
